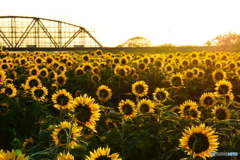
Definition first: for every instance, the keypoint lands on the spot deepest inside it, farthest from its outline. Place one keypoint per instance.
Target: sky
(180, 22)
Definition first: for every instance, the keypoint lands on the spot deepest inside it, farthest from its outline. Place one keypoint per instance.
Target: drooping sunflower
(104, 93)
(207, 99)
(185, 107)
(65, 156)
(27, 143)
(39, 93)
(10, 90)
(218, 75)
(145, 106)
(223, 87)
(60, 137)
(140, 88)
(62, 100)
(221, 112)
(87, 112)
(127, 108)
(103, 153)
(160, 95)
(32, 81)
(12, 155)
(176, 80)
(204, 139)
(61, 79)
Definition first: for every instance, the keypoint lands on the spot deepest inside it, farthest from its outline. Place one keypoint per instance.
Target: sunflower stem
(70, 133)
(122, 137)
(193, 149)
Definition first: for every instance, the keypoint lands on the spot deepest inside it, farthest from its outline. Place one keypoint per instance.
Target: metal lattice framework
(34, 32)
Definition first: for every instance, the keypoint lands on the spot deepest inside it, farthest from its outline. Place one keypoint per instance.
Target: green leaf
(79, 151)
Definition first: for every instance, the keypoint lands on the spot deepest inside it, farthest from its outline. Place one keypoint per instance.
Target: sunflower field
(119, 106)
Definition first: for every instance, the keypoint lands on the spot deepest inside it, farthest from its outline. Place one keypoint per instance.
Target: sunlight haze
(183, 22)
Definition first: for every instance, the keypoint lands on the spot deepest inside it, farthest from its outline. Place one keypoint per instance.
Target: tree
(228, 41)
(136, 42)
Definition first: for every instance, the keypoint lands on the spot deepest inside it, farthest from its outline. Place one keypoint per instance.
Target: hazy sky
(190, 22)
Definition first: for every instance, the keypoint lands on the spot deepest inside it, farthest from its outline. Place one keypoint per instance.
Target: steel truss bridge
(34, 33)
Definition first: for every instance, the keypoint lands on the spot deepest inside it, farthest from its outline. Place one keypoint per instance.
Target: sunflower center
(62, 100)
(193, 113)
(176, 81)
(38, 93)
(43, 73)
(189, 75)
(79, 72)
(144, 108)
(219, 76)
(221, 114)
(4, 66)
(123, 61)
(8, 91)
(60, 80)
(208, 101)
(186, 109)
(103, 93)
(139, 89)
(158, 64)
(202, 144)
(160, 96)
(83, 113)
(39, 61)
(49, 60)
(33, 83)
(102, 158)
(141, 66)
(121, 72)
(116, 60)
(127, 109)
(87, 68)
(223, 89)
(195, 62)
(34, 72)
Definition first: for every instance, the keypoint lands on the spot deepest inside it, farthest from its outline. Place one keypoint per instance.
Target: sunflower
(39, 93)
(49, 60)
(116, 60)
(207, 99)
(120, 71)
(169, 68)
(201, 74)
(208, 62)
(221, 112)
(218, 75)
(193, 113)
(202, 137)
(189, 74)
(52, 75)
(27, 143)
(87, 68)
(12, 155)
(104, 93)
(87, 112)
(87, 133)
(127, 108)
(140, 88)
(176, 110)
(158, 64)
(2, 76)
(160, 95)
(59, 134)
(32, 81)
(95, 78)
(86, 58)
(39, 60)
(135, 76)
(61, 79)
(218, 65)
(195, 62)
(103, 153)
(110, 124)
(123, 61)
(4, 108)
(141, 66)
(62, 100)
(10, 90)
(43, 72)
(4, 66)
(185, 108)
(64, 156)
(223, 87)
(176, 80)
(185, 63)
(145, 106)
(34, 71)
(79, 71)
(95, 70)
